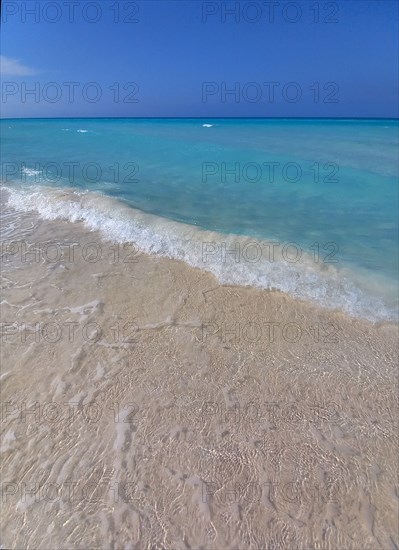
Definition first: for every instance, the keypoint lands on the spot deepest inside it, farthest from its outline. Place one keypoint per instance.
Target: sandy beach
(147, 406)
(199, 311)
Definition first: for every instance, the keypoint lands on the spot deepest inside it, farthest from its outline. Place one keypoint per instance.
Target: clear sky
(194, 58)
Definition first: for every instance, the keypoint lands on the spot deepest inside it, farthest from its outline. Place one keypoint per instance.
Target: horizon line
(199, 118)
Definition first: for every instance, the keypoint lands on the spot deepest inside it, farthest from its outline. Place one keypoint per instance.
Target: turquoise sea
(325, 190)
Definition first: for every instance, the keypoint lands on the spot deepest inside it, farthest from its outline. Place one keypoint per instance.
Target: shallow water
(327, 186)
(147, 406)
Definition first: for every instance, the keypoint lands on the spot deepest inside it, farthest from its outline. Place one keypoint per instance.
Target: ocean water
(308, 207)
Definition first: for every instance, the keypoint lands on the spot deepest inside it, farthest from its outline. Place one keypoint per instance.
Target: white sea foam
(329, 286)
(207, 125)
(82, 131)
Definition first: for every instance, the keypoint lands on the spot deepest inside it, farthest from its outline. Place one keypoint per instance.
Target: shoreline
(236, 260)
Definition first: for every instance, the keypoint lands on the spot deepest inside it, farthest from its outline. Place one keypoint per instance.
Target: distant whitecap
(30, 172)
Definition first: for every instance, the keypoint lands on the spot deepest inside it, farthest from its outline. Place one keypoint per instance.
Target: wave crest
(217, 253)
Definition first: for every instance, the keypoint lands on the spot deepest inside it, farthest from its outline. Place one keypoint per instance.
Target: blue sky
(194, 58)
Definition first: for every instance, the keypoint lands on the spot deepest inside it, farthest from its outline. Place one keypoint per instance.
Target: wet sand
(147, 406)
